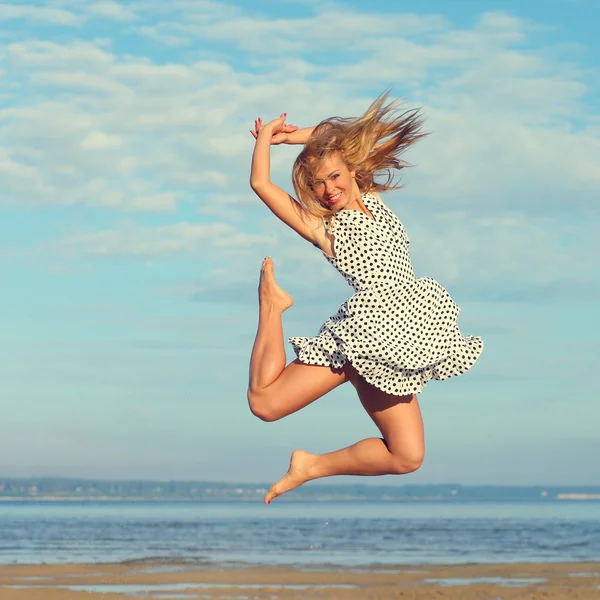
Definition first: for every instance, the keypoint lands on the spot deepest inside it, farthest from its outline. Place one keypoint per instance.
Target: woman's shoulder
(375, 200)
(374, 195)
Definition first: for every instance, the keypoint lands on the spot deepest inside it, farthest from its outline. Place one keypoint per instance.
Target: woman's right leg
(274, 390)
(400, 450)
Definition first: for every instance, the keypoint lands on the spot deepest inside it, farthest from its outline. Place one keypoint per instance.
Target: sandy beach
(570, 581)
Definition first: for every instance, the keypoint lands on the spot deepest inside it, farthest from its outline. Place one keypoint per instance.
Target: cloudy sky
(130, 240)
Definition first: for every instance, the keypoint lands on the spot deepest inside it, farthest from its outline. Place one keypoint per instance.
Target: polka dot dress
(398, 332)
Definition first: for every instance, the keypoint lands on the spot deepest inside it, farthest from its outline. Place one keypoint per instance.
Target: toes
(268, 266)
(266, 261)
(265, 264)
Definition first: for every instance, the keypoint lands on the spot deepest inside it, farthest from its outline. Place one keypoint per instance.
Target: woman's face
(334, 183)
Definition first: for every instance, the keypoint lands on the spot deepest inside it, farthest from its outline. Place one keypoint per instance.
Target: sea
(299, 533)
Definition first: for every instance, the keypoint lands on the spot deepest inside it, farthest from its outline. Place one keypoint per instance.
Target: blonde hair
(370, 145)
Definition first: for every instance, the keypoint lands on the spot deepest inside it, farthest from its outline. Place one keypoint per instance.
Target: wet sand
(572, 581)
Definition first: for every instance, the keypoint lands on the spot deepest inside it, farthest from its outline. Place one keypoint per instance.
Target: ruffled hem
(328, 351)
(430, 345)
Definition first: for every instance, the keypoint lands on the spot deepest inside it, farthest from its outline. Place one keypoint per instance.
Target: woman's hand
(279, 130)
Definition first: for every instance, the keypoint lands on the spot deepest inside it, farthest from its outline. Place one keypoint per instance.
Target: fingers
(257, 125)
(279, 125)
(280, 120)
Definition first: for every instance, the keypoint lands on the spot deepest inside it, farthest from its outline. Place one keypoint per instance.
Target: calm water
(300, 533)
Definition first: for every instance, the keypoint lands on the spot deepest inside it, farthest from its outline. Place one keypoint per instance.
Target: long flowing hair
(370, 145)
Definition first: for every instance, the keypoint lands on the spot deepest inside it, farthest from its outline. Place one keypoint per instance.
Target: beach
(327, 550)
(548, 581)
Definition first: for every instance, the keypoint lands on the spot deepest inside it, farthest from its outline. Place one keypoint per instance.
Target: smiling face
(334, 184)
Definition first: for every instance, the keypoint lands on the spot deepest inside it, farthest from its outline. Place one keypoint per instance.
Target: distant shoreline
(445, 499)
(54, 489)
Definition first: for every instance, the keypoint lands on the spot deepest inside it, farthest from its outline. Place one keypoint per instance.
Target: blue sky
(130, 240)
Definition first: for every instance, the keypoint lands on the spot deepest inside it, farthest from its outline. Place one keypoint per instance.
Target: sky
(130, 240)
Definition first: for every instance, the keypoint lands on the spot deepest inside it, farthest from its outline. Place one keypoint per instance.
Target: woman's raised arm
(299, 136)
(283, 206)
(288, 134)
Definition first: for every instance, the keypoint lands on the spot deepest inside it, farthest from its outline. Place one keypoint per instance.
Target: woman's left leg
(400, 451)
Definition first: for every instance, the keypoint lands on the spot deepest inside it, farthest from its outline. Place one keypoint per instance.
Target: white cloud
(98, 140)
(169, 35)
(112, 10)
(39, 14)
(494, 110)
(79, 82)
(144, 242)
(20, 179)
(161, 202)
(289, 35)
(54, 56)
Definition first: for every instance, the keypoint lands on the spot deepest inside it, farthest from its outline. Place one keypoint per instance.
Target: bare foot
(269, 293)
(297, 475)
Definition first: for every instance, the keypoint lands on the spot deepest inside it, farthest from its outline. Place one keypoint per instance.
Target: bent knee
(260, 406)
(408, 463)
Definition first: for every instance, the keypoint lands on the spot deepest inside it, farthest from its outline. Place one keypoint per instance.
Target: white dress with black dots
(398, 332)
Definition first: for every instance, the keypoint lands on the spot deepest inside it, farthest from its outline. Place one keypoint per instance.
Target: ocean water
(299, 533)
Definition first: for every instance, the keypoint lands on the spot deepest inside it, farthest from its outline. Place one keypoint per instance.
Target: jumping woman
(393, 335)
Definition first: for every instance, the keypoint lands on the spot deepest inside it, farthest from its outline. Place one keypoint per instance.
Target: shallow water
(299, 533)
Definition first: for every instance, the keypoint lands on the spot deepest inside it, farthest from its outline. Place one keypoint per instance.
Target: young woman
(393, 335)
